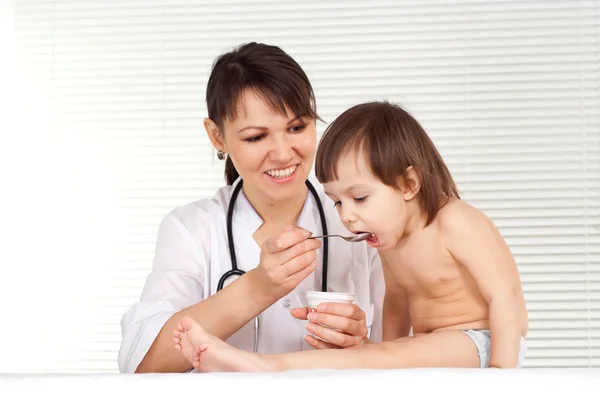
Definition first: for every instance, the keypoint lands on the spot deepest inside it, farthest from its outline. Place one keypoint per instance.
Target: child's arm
(396, 318)
(474, 241)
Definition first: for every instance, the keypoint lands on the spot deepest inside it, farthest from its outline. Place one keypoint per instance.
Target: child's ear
(214, 135)
(411, 184)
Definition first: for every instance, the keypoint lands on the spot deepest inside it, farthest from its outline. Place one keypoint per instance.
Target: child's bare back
(440, 291)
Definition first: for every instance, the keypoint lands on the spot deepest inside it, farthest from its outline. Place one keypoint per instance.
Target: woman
(262, 121)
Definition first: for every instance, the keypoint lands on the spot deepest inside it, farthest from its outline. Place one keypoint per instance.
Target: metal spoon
(352, 238)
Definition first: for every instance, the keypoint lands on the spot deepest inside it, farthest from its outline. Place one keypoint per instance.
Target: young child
(448, 272)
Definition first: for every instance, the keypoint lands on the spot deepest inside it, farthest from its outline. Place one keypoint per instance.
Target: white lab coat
(192, 254)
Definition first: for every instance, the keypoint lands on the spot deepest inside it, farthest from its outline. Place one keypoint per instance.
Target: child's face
(365, 204)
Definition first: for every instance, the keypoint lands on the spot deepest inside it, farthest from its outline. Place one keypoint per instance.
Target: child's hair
(392, 140)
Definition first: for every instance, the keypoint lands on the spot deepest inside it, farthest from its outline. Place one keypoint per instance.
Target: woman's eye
(359, 200)
(338, 203)
(255, 138)
(298, 128)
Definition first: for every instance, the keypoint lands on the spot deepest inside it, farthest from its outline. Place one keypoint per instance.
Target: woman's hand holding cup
(337, 323)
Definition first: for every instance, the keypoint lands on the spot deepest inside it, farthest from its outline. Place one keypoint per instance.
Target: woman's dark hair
(392, 140)
(270, 72)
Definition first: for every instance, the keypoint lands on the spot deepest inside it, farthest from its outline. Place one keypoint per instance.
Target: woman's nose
(282, 150)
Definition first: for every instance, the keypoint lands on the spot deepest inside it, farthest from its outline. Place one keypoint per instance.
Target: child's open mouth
(372, 240)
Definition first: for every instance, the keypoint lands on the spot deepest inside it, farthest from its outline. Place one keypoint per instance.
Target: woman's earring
(220, 155)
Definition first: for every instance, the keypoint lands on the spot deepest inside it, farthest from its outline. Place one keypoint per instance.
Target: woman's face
(273, 153)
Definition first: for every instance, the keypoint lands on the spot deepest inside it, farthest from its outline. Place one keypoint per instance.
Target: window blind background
(109, 138)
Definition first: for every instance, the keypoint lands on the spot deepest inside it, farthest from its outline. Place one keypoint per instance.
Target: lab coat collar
(243, 211)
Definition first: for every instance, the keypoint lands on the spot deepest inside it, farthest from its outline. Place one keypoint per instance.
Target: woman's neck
(277, 213)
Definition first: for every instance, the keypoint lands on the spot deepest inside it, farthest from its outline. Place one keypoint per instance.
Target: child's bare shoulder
(459, 217)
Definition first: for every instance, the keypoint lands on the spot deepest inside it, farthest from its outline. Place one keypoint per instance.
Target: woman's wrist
(258, 292)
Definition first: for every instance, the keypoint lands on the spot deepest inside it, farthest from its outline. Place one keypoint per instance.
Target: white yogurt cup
(314, 298)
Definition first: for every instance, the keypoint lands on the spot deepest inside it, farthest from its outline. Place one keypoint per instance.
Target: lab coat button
(287, 303)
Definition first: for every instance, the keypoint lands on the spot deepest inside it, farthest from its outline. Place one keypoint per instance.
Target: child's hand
(346, 325)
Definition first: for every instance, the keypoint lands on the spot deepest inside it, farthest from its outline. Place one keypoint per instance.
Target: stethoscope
(238, 272)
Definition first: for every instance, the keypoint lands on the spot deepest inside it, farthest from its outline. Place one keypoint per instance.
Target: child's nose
(348, 215)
